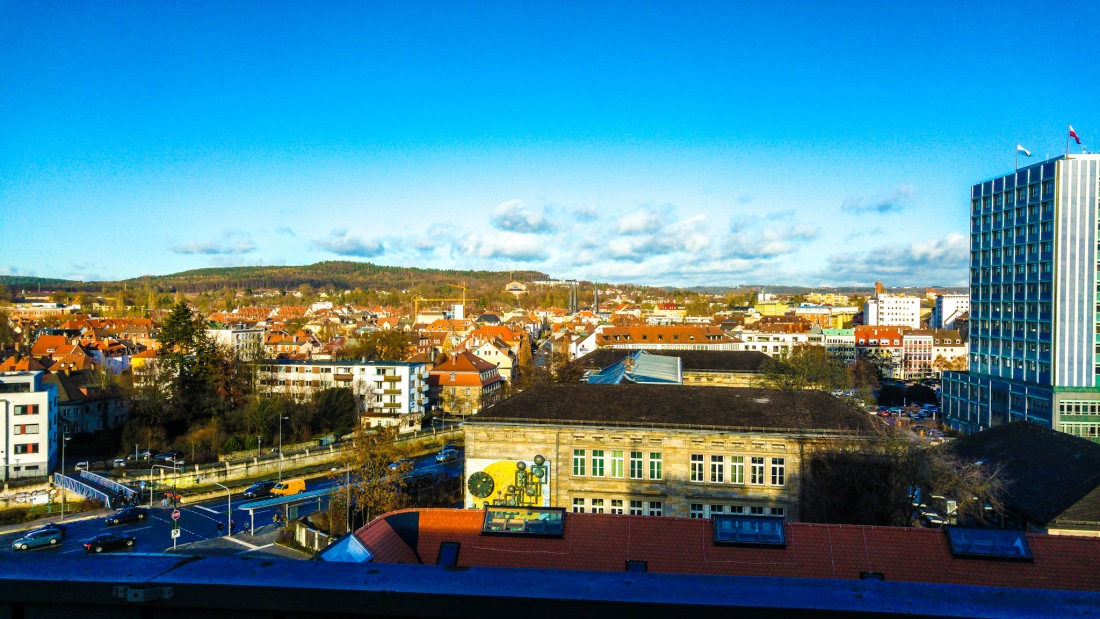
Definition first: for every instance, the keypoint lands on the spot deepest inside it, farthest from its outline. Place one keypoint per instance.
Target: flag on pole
(1021, 149)
(1073, 134)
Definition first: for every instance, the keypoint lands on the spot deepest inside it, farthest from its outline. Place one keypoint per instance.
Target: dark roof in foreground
(692, 360)
(605, 542)
(678, 405)
(1050, 476)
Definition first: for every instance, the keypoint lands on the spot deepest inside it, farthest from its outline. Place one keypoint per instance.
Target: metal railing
(125, 491)
(81, 488)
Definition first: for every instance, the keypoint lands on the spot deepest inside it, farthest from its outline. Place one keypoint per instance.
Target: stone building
(657, 450)
(717, 368)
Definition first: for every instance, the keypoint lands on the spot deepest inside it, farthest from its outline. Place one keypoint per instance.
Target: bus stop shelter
(290, 504)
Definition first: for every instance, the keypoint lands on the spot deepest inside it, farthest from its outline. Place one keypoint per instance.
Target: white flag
(1021, 149)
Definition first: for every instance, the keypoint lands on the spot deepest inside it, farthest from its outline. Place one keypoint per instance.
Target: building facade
(655, 450)
(892, 311)
(1033, 309)
(389, 392)
(30, 436)
(948, 309)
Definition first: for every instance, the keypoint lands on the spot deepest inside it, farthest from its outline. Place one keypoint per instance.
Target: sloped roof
(605, 542)
(677, 405)
(1050, 476)
(46, 344)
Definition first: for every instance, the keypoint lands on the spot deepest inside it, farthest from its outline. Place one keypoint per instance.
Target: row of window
(26, 409)
(1084, 430)
(1079, 408)
(1009, 253)
(1019, 364)
(27, 448)
(1013, 196)
(1008, 215)
(609, 463)
(615, 506)
(27, 428)
(704, 510)
(758, 473)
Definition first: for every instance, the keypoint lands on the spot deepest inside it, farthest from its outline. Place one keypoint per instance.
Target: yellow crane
(417, 300)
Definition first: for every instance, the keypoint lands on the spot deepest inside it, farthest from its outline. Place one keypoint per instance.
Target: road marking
(255, 548)
(242, 543)
(65, 552)
(205, 509)
(140, 528)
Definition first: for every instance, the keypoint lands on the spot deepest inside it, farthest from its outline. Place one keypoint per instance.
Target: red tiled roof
(604, 542)
(47, 344)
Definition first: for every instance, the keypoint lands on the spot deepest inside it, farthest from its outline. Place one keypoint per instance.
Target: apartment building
(389, 392)
(892, 310)
(30, 438)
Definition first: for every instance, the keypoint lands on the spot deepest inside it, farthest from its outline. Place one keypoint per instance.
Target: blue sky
(661, 143)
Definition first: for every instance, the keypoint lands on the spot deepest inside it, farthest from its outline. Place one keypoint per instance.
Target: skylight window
(988, 543)
(524, 521)
(736, 530)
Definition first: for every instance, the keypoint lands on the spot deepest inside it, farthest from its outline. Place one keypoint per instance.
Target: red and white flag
(1073, 134)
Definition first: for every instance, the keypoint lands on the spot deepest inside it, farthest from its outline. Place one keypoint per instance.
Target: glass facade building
(1034, 301)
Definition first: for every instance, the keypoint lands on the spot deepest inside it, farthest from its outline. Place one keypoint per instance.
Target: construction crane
(463, 287)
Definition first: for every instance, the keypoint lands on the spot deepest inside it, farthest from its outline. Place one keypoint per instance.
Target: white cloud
(942, 261)
(897, 200)
(507, 246)
(513, 216)
(231, 242)
(342, 243)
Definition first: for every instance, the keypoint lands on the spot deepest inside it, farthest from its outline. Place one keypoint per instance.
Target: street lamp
(281, 418)
(228, 504)
(175, 468)
(64, 439)
(259, 446)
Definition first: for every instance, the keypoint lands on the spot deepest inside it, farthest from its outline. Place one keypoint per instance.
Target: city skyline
(657, 144)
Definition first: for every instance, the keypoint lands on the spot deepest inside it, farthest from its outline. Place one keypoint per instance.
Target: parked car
(37, 539)
(81, 466)
(119, 463)
(170, 457)
(109, 541)
(402, 462)
(447, 454)
(127, 514)
(259, 490)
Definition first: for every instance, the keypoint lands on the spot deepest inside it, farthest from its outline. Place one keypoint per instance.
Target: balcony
(391, 405)
(342, 377)
(390, 378)
(391, 392)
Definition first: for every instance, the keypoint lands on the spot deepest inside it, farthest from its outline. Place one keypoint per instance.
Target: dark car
(128, 514)
(171, 457)
(109, 541)
(259, 490)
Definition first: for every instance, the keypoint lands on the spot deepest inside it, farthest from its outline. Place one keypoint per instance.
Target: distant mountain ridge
(339, 274)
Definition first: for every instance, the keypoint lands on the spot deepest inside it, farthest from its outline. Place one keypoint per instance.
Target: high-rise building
(1033, 301)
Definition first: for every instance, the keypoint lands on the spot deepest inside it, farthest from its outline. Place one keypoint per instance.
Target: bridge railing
(125, 491)
(81, 488)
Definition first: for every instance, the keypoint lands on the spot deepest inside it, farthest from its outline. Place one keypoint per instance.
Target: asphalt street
(197, 521)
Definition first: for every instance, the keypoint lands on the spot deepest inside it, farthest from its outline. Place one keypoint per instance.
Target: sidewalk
(260, 545)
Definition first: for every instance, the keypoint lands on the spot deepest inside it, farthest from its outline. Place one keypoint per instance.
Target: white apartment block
(778, 344)
(247, 344)
(29, 412)
(917, 354)
(389, 392)
(949, 307)
(840, 344)
(887, 310)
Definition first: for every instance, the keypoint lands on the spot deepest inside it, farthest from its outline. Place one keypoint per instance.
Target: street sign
(141, 483)
(175, 533)
(175, 514)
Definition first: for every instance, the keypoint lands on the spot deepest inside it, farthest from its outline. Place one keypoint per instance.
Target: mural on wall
(508, 482)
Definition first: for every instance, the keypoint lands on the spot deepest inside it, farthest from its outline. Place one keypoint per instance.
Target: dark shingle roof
(692, 360)
(677, 405)
(1048, 473)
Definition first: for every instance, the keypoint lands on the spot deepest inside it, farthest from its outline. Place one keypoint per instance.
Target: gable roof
(1051, 477)
(605, 542)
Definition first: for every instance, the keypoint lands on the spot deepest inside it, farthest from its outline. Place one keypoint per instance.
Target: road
(198, 521)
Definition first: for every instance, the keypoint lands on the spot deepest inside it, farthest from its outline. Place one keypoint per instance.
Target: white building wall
(892, 311)
(29, 447)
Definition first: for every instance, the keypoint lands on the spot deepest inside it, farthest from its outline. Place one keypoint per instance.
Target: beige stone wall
(721, 379)
(675, 491)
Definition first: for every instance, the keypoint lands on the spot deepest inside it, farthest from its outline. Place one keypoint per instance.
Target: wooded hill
(339, 275)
